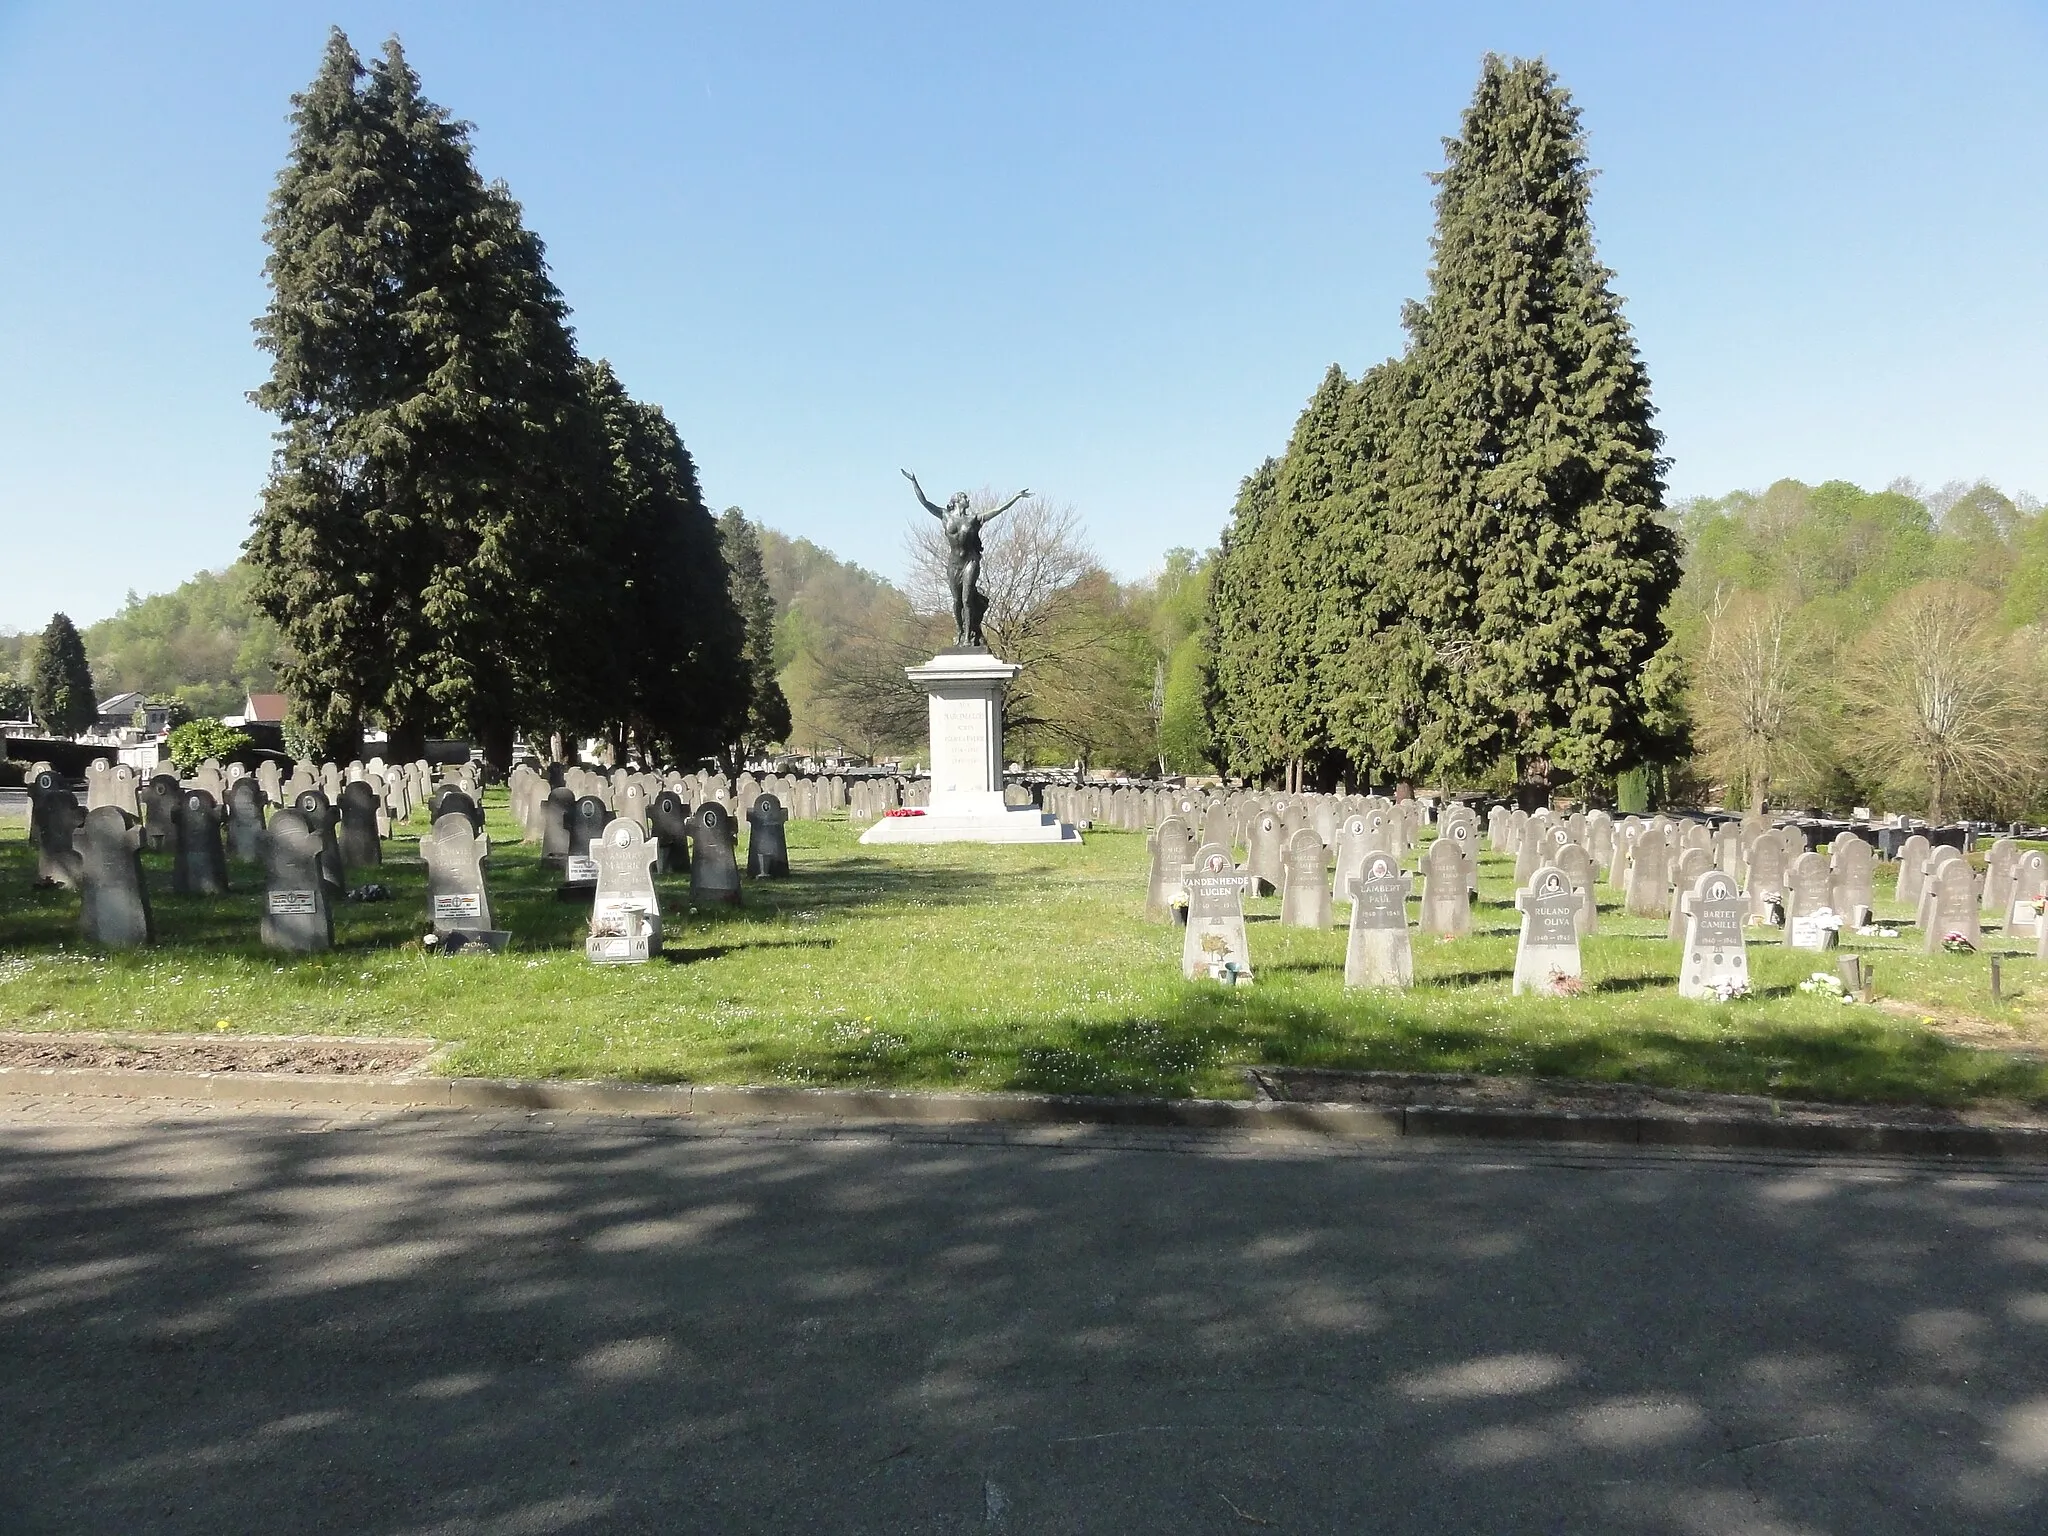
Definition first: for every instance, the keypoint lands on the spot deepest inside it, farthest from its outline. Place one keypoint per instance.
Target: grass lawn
(1005, 968)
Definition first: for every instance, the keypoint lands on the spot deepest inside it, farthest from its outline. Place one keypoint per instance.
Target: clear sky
(1103, 250)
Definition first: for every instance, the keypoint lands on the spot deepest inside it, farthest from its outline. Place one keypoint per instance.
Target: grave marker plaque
(1547, 952)
(457, 857)
(1715, 963)
(296, 915)
(625, 917)
(1378, 951)
(1214, 947)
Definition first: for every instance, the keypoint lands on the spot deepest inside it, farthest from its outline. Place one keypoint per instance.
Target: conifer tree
(767, 717)
(1250, 739)
(426, 541)
(60, 681)
(1530, 484)
(678, 680)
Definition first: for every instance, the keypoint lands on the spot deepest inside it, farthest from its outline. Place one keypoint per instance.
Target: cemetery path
(217, 1320)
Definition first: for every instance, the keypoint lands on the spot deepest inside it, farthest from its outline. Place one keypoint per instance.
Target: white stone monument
(966, 694)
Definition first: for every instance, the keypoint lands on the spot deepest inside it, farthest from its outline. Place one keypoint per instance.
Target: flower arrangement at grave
(1729, 988)
(1876, 931)
(1561, 985)
(908, 810)
(1957, 944)
(1827, 984)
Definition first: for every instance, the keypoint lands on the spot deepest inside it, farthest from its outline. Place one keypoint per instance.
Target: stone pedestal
(966, 691)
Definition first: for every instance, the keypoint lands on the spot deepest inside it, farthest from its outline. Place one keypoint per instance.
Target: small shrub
(196, 740)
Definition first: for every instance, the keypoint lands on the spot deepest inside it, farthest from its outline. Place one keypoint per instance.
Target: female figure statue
(963, 558)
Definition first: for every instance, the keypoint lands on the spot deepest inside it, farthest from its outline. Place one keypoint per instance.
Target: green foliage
(15, 703)
(205, 643)
(193, 742)
(425, 541)
(1186, 744)
(766, 719)
(60, 682)
(1461, 556)
(675, 676)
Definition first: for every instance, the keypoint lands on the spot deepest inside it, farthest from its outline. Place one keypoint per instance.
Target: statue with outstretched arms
(963, 558)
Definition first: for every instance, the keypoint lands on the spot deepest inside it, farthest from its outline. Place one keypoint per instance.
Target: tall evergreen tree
(1530, 477)
(425, 538)
(1251, 739)
(60, 681)
(766, 718)
(678, 679)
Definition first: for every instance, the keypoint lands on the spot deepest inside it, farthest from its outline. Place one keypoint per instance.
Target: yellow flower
(220, 1023)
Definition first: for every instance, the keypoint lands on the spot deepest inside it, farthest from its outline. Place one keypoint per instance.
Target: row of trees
(1459, 564)
(469, 528)
(1848, 647)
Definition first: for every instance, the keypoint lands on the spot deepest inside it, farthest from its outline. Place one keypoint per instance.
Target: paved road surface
(215, 1321)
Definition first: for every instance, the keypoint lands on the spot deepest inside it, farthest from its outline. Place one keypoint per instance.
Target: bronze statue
(963, 559)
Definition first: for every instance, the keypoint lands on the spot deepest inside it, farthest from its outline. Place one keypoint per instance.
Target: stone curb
(881, 1106)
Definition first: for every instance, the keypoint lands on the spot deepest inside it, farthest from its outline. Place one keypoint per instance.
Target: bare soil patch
(1311, 1085)
(214, 1053)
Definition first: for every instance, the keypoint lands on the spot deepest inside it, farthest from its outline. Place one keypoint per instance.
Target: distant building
(117, 714)
(261, 709)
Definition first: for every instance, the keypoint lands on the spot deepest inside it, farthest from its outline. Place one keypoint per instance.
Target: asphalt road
(457, 1324)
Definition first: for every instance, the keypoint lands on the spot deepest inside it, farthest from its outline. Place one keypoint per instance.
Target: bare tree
(1940, 702)
(1055, 612)
(1754, 694)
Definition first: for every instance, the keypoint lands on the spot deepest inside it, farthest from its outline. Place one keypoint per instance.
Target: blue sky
(1105, 251)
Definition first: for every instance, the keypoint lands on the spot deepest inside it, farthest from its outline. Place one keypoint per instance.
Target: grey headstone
(457, 857)
(714, 868)
(1954, 907)
(318, 813)
(1809, 891)
(297, 917)
(1446, 900)
(160, 799)
(360, 846)
(1547, 952)
(1716, 953)
(1304, 889)
(1378, 951)
(245, 819)
(1172, 850)
(668, 816)
(114, 909)
(1215, 946)
(202, 862)
(767, 838)
(54, 820)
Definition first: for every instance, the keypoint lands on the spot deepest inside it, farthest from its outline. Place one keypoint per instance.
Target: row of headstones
(631, 794)
(1311, 877)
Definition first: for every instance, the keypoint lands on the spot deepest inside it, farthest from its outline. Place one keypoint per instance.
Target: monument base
(977, 822)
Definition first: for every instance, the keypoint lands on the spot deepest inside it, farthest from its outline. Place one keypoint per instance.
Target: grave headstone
(1446, 898)
(767, 838)
(451, 800)
(668, 815)
(1352, 847)
(114, 907)
(1378, 951)
(245, 820)
(160, 799)
(1852, 864)
(1577, 865)
(714, 868)
(1214, 947)
(457, 857)
(1172, 850)
(1547, 951)
(1263, 853)
(54, 820)
(297, 916)
(1715, 962)
(360, 846)
(2029, 889)
(625, 916)
(1913, 854)
(1999, 861)
(1766, 886)
(1691, 864)
(1305, 892)
(1648, 889)
(1954, 907)
(202, 863)
(587, 820)
(1809, 897)
(318, 813)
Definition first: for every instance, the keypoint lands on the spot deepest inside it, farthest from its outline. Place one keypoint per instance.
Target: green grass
(997, 968)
